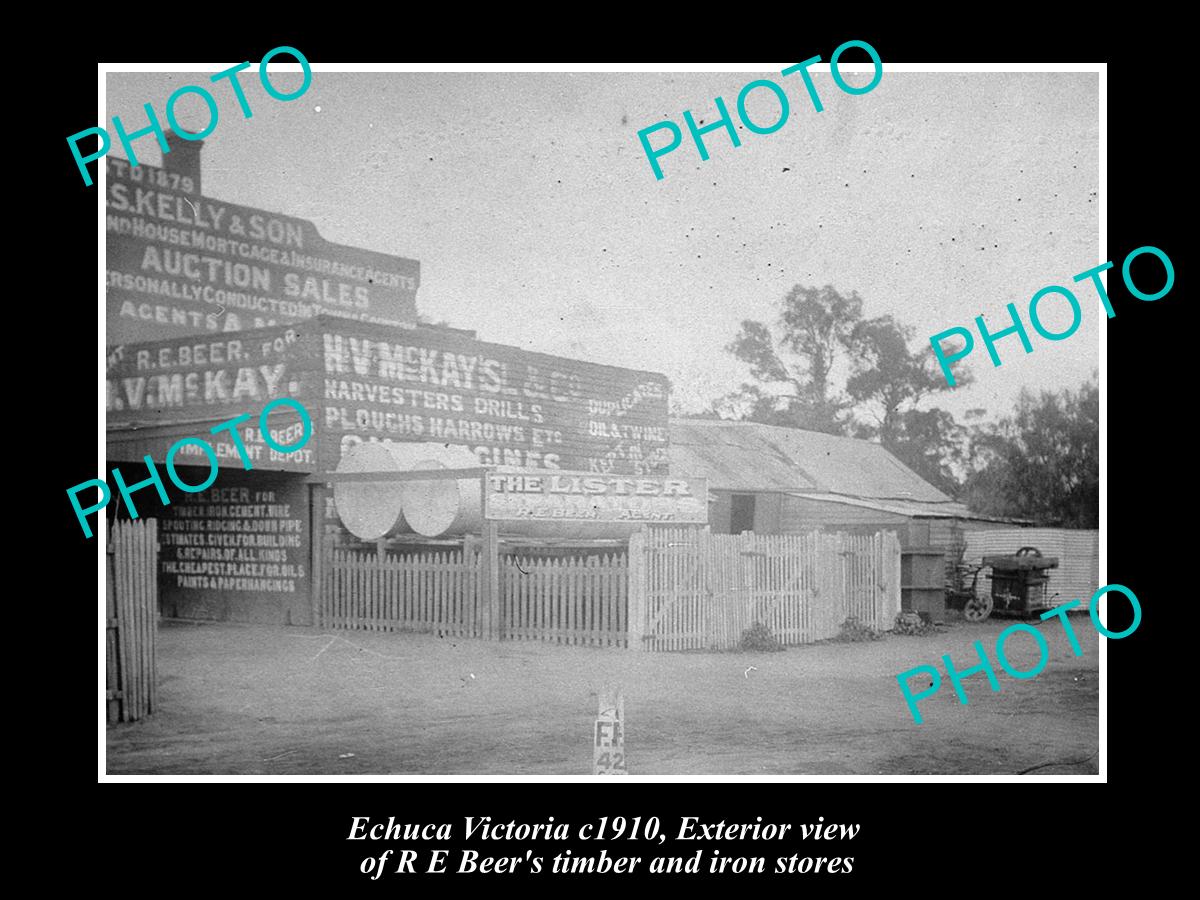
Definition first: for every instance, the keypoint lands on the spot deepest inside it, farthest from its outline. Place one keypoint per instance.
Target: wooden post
(612, 703)
(490, 581)
(320, 544)
(892, 553)
(637, 589)
(155, 606)
(318, 547)
(473, 558)
(609, 743)
(322, 577)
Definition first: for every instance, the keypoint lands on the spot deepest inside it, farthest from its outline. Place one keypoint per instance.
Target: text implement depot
(1018, 327)
(300, 432)
(957, 677)
(155, 127)
(726, 121)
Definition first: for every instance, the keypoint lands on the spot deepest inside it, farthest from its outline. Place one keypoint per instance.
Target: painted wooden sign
(509, 407)
(164, 390)
(238, 552)
(181, 263)
(583, 497)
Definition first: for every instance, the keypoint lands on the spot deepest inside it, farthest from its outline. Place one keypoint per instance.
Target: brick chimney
(184, 158)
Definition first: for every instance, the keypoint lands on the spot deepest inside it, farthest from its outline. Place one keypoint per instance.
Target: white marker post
(609, 743)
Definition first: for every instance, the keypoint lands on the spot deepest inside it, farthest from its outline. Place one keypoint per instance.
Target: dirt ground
(239, 699)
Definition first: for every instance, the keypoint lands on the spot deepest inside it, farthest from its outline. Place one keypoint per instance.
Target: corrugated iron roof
(747, 456)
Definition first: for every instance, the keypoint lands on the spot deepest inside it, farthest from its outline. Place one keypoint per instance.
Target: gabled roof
(746, 456)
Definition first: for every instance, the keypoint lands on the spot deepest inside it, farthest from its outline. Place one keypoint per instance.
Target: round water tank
(373, 509)
(443, 506)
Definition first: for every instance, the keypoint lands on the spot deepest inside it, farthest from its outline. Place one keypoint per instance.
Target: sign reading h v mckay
(360, 382)
(180, 263)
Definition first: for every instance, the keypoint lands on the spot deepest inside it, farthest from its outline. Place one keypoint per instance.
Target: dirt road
(265, 700)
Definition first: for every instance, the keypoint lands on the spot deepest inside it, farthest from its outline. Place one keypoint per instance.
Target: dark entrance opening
(741, 513)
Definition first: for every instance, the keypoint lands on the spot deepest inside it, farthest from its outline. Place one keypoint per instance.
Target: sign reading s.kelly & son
(180, 263)
(583, 497)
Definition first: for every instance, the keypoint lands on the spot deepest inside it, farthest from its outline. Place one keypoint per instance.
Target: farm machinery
(1018, 585)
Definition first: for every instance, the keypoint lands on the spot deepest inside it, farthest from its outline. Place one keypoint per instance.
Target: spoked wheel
(977, 609)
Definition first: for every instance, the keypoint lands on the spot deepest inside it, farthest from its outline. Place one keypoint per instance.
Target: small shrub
(853, 630)
(758, 637)
(913, 623)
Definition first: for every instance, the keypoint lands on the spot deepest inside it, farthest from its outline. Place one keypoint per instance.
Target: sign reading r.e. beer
(583, 497)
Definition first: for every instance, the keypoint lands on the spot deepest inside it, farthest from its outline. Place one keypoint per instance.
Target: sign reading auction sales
(580, 497)
(181, 263)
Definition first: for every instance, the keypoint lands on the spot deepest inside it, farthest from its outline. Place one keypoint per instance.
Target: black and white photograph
(629, 421)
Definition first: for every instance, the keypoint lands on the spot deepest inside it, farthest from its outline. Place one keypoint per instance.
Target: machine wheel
(976, 609)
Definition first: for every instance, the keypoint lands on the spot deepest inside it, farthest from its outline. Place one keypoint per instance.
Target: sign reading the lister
(580, 497)
(180, 263)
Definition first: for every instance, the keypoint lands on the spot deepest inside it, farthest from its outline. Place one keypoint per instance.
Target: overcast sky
(538, 222)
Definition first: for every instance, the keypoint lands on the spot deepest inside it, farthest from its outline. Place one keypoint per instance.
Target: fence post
(637, 589)
(892, 567)
(490, 581)
(322, 575)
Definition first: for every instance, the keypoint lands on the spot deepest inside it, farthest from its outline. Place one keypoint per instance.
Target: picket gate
(696, 590)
